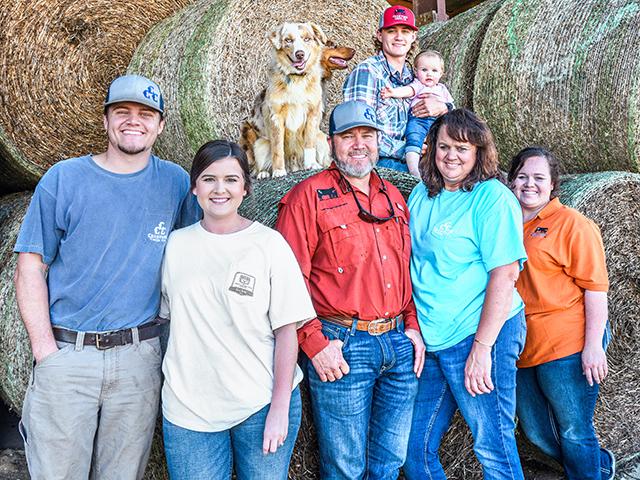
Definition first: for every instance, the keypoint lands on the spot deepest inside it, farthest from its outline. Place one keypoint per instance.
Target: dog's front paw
(313, 166)
(262, 175)
(278, 172)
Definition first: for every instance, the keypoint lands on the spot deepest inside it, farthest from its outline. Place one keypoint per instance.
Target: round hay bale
(611, 200)
(57, 59)
(560, 73)
(15, 351)
(459, 41)
(212, 60)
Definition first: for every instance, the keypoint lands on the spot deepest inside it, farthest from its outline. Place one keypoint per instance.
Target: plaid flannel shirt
(364, 84)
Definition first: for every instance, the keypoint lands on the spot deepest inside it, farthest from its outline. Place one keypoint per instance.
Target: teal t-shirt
(457, 239)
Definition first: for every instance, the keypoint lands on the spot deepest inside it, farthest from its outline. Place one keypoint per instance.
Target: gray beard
(353, 171)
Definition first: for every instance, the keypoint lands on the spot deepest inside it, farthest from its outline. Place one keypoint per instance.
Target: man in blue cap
(88, 288)
(349, 231)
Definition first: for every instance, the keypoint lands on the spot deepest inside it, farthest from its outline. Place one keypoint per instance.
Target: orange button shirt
(352, 268)
(566, 257)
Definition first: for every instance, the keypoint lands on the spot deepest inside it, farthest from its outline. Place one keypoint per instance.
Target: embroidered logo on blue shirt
(159, 233)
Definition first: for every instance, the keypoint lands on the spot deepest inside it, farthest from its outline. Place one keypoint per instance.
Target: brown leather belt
(374, 327)
(107, 340)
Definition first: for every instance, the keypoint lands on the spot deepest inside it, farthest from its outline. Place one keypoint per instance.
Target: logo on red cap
(397, 16)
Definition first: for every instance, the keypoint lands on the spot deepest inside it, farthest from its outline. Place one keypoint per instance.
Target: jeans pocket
(52, 356)
(336, 332)
(23, 432)
(522, 331)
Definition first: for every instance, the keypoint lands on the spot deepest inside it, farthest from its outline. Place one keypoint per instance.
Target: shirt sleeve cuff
(311, 338)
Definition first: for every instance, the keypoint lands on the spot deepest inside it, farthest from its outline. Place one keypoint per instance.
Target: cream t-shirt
(225, 295)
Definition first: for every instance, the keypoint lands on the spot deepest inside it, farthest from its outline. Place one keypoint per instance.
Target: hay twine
(560, 73)
(459, 41)
(57, 59)
(212, 59)
(609, 198)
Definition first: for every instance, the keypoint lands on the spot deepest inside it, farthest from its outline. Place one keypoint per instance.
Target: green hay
(459, 41)
(561, 74)
(212, 60)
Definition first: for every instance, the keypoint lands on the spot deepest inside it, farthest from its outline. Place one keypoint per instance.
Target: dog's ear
(319, 34)
(276, 38)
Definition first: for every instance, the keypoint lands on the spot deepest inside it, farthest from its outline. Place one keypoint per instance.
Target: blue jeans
(490, 416)
(363, 419)
(555, 405)
(392, 163)
(195, 455)
(416, 132)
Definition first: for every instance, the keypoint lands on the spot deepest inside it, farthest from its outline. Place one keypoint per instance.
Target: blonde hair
(429, 53)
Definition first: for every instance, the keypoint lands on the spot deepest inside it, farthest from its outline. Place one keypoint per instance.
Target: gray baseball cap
(352, 114)
(135, 88)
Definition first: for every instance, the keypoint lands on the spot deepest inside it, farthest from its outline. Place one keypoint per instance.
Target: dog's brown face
(297, 45)
(335, 57)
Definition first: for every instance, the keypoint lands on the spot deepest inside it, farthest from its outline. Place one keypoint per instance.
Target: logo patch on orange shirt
(540, 232)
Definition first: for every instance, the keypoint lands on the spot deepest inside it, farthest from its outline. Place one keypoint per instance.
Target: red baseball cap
(397, 15)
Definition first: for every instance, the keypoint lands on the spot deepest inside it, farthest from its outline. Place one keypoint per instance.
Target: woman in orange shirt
(564, 287)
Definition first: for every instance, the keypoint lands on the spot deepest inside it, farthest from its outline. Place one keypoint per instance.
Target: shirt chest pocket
(342, 238)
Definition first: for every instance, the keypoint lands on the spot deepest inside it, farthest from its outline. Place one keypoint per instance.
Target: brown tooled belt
(106, 340)
(374, 327)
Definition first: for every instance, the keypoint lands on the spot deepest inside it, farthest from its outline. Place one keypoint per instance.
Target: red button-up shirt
(352, 268)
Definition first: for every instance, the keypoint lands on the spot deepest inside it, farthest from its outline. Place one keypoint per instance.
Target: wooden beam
(432, 9)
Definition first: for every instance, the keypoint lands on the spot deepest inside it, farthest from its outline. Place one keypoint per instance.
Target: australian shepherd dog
(283, 133)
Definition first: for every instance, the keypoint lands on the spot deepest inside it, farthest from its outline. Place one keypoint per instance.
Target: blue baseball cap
(135, 88)
(351, 114)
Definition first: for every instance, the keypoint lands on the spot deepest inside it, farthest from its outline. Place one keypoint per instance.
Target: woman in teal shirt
(467, 251)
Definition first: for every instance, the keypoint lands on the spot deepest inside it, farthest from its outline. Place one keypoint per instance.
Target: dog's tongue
(338, 61)
(299, 65)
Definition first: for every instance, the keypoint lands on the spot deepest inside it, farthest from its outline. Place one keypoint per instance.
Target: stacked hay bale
(551, 72)
(212, 59)
(604, 197)
(57, 59)
(15, 350)
(560, 73)
(459, 41)
(611, 199)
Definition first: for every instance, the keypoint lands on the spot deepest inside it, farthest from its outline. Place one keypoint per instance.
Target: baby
(429, 67)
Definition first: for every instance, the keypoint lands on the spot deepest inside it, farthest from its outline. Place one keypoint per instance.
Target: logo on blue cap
(368, 114)
(150, 93)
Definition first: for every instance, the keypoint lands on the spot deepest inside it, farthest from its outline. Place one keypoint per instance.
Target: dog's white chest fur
(296, 117)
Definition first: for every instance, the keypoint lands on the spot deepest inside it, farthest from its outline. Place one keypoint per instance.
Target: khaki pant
(90, 413)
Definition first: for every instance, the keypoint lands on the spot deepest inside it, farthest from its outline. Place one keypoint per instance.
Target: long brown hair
(463, 126)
